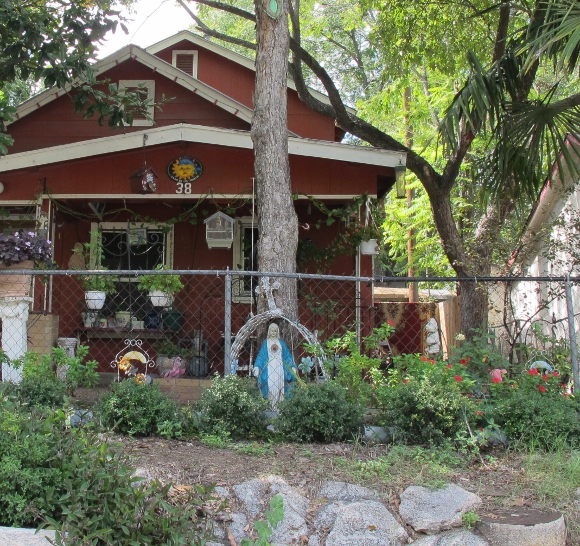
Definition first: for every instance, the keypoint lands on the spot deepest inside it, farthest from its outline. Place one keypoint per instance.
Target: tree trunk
(277, 221)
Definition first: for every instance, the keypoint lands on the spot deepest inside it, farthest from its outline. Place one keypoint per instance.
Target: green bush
(29, 463)
(538, 420)
(139, 410)
(42, 391)
(83, 487)
(232, 405)
(319, 412)
(424, 410)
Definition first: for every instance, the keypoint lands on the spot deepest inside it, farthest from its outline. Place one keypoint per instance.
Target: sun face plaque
(184, 169)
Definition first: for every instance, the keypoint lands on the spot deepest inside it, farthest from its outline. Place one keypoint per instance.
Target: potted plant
(21, 250)
(161, 288)
(96, 286)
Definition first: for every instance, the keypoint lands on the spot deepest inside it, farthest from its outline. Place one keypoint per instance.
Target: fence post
(572, 333)
(228, 324)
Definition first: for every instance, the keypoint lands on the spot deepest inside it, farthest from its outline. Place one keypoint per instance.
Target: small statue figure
(274, 367)
(432, 341)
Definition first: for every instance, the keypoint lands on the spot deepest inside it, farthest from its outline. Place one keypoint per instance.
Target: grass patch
(254, 450)
(398, 466)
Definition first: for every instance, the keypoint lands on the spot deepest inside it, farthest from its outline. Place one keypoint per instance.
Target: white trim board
(182, 196)
(196, 133)
(198, 40)
(156, 65)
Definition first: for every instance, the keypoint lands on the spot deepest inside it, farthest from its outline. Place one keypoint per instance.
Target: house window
(142, 247)
(185, 60)
(245, 258)
(141, 117)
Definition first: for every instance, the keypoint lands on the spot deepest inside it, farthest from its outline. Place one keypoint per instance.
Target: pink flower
(424, 358)
(496, 380)
(464, 362)
(390, 322)
(405, 381)
(497, 374)
(533, 371)
(541, 388)
(479, 413)
(545, 377)
(432, 361)
(449, 366)
(555, 374)
(458, 378)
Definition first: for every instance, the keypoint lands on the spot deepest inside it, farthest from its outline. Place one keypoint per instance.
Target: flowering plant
(24, 245)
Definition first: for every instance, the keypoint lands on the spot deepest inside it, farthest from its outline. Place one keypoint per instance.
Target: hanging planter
(160, 299)
(369, 247)
(95, 299)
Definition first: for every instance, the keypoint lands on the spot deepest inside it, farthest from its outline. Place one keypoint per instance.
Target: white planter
(369, 247)
(160, 299)
(95, 299)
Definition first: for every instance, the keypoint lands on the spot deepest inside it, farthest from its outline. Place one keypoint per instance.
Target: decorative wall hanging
(143, 181)
(184, 169)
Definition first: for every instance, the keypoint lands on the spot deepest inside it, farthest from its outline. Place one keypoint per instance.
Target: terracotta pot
(16, 285)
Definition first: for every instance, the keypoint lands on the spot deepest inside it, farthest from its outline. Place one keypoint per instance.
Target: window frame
(238, 294)
(150, 86)
(193, 52)
(98, 227)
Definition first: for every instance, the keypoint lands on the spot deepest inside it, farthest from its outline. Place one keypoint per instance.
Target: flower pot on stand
(95, 299)
(160, 299)
(16, 285)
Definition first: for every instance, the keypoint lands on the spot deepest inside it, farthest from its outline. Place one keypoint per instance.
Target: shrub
(85, 488)
(232, 405)
(319, 412)
(140, 410)
(42, 391)
(538, 420)
(424, 410)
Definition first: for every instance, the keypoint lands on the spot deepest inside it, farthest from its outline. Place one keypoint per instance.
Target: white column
(14, 314)
(69, 344)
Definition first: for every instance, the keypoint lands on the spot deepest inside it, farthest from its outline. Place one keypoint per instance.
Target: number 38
(183, 187)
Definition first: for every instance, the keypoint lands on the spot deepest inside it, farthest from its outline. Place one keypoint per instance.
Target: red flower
(432, 361)
(480, 428)
(464, 362)
(449, 366)
(541, 388)
(424, 358)
(458, 378)
(390, 322)
(405, 381)
(545, 377)
(496, 380)
(564, 394)
(479, 413)
(533, 371)
(555, 374)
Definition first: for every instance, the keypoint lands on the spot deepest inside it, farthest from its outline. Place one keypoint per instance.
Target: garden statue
(432, 341)
(274, 367)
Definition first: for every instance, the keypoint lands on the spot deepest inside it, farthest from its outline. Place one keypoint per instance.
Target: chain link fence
(192, 334)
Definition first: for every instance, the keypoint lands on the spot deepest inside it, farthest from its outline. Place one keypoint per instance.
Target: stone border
(15, 536)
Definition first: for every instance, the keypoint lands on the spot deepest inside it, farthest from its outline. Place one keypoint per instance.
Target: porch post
(228, 325)
(14, 314)
(572, 332)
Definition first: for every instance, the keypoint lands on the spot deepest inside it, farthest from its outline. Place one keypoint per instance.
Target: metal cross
(266, 290)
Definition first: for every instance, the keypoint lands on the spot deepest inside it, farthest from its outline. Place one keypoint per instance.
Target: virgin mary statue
(274, 367)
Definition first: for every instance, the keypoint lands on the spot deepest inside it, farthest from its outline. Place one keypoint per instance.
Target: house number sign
(183, 171)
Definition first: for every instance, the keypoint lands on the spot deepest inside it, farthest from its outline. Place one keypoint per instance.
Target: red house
(68, 176)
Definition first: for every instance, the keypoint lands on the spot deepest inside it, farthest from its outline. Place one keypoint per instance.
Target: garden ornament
(274, 367)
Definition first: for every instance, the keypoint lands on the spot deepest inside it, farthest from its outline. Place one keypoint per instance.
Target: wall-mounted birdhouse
(219, 230)
(144, 180)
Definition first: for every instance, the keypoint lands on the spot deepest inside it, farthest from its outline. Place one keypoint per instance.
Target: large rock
(341, 491)
(293, 527)
(236, 528)
(457, 537)
(524, 527)
(434, 511)
(366, 523)
(326, 515)
(250, 493)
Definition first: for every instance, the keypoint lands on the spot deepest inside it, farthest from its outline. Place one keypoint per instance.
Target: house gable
(49, 118)
(234, 75)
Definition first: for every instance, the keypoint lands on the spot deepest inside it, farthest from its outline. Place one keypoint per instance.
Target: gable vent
(138, 113)
(185, 63)
(185, 60)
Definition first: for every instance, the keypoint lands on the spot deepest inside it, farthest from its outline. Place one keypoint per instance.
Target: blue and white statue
(274, 367)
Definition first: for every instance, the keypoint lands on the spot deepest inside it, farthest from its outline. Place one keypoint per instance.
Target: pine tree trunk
(277, 221)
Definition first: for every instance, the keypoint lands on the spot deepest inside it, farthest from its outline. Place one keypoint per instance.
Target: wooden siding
(237, 82)
(56, 123)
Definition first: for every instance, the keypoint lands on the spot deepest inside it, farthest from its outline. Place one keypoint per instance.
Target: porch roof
(196, 133)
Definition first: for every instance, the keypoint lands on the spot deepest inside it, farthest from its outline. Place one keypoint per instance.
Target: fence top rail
(227, 272)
